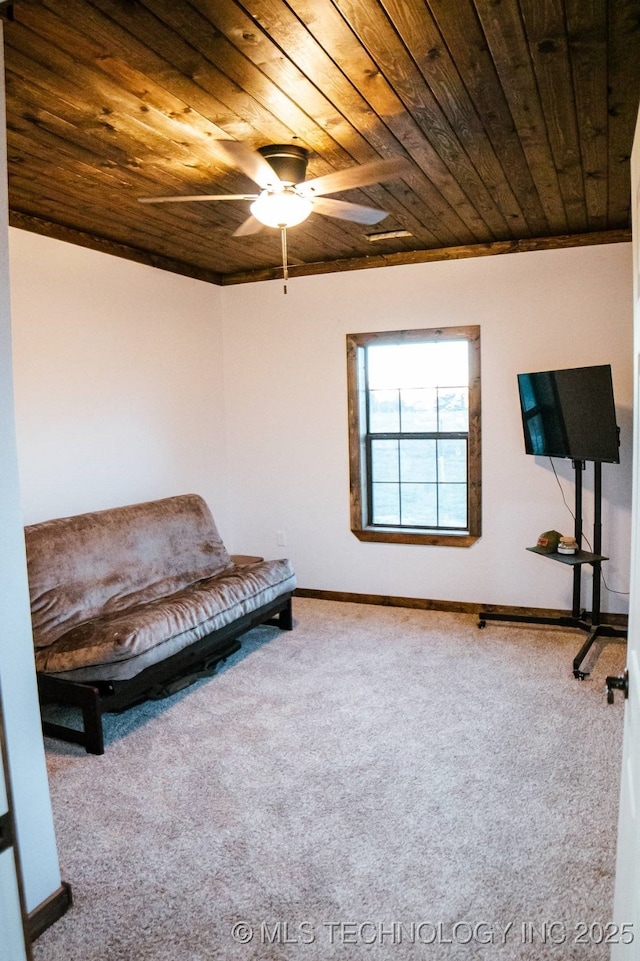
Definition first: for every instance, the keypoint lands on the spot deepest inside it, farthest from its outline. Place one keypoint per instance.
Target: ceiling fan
(286, 198)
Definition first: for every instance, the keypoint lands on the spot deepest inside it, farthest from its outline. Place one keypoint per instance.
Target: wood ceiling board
(518, 118)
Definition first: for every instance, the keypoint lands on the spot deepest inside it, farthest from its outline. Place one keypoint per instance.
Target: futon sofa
(138, 602)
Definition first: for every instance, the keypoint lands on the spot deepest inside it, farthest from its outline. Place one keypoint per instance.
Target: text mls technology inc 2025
(554, 932)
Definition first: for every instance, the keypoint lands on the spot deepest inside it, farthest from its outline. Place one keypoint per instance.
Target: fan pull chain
(285, 268)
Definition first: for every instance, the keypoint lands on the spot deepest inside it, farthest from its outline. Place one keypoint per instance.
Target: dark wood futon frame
(160, 680)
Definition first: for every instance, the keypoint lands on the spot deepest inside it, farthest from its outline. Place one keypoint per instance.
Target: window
(414, 435)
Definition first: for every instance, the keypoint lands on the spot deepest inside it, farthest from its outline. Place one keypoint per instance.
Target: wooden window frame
(356, 393)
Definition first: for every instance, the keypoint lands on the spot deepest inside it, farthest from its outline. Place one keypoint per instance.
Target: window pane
(414, 438)
(384, 461)
(452, 505)
(452, 461)
(453, 363)
(401, 365)
(382, 366)
(385, 508)
(453, 409)
(419, 504)
(419, 410)
(439, 363)
(418, 461)
(384, 411)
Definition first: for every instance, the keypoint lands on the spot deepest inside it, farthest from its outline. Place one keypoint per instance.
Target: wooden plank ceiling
(517, 117)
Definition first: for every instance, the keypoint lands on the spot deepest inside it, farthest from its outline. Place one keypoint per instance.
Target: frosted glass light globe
(285, 208)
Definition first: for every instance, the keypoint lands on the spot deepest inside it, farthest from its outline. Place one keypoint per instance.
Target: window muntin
(414, 435)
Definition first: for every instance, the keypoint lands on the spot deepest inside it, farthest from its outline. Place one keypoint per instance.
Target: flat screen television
(570, 413)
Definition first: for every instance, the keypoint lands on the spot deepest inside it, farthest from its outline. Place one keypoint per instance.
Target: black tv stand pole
(590, 623)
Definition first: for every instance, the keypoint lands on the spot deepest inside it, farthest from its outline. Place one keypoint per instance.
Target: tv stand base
(594, 631)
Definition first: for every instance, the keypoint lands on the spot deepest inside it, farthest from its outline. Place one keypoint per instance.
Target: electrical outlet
(281, 538)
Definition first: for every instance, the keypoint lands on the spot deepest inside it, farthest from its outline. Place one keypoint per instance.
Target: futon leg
(285, 618)
(92, 722)
(87, 698)
(282, 618)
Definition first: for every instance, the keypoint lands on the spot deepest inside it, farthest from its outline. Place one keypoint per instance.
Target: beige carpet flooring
(380, 783)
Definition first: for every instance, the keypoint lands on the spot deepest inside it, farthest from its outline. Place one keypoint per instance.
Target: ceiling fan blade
(378, 171)
(249, 226)
(186, 199)
(346, 211)
(249, 161)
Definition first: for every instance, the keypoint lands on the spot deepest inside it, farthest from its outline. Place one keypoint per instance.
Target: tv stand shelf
(590, 623)
(580, 557)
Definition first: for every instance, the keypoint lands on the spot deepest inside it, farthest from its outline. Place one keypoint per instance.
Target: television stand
(590, 623)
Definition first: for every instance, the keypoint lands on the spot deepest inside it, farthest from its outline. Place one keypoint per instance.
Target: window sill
(395, 536)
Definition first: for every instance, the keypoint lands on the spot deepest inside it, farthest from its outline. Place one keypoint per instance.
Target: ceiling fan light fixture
(282, 208)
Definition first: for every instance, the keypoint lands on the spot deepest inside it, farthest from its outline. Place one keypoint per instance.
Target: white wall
(118, 381)
(132, 383)
(17, 672)
(285, 393)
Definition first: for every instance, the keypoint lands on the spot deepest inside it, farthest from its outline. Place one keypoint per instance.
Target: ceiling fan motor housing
(288, 160)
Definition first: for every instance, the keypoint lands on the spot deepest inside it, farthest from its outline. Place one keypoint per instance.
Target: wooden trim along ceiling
(440, 253)
(84, 239)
